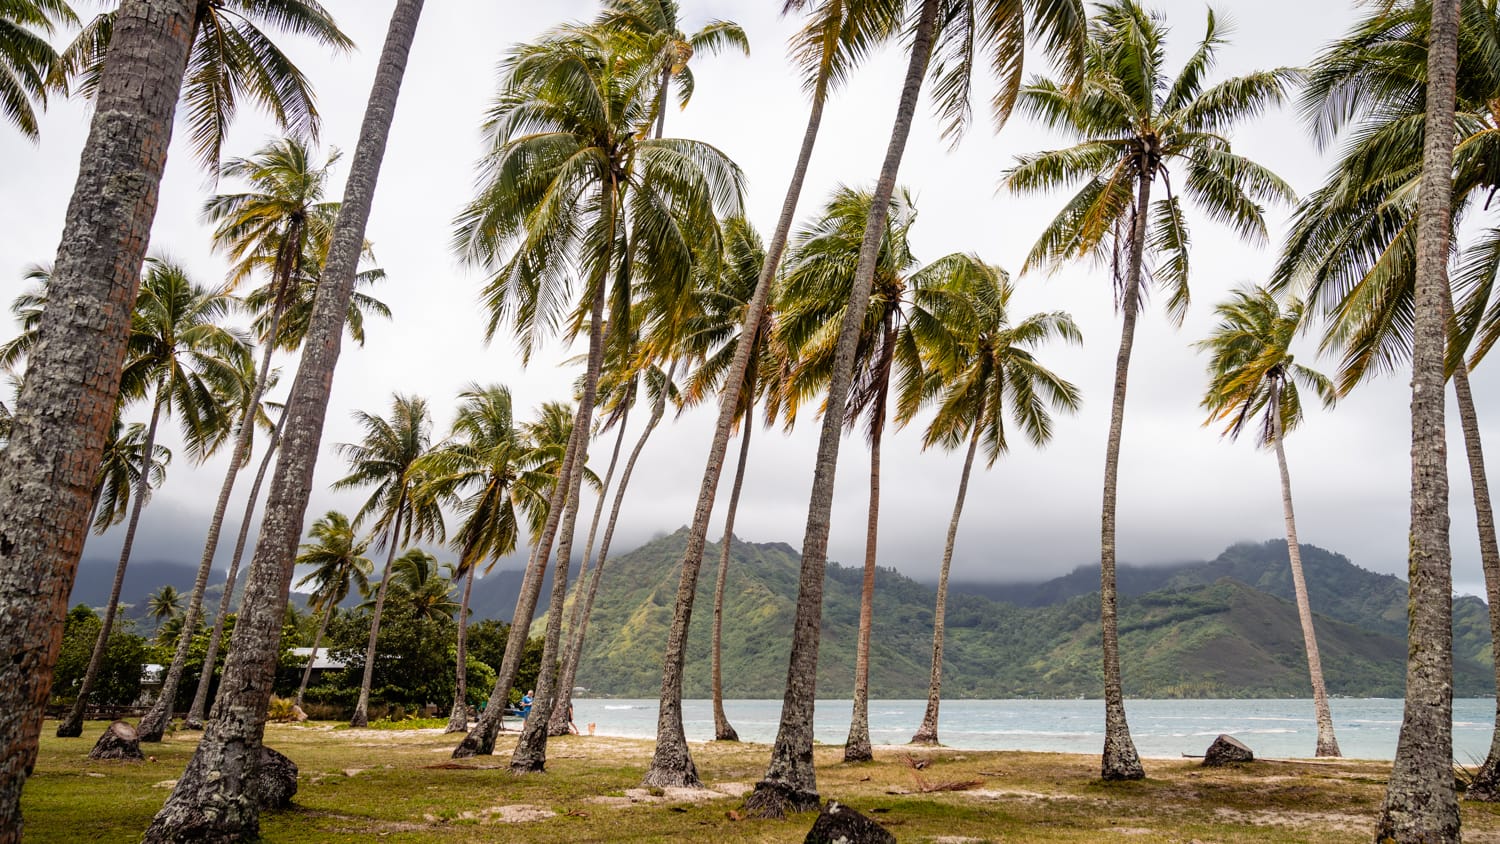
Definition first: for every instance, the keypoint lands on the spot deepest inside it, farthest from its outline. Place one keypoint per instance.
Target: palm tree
(1420, 802)
(280, 216)
(978, 367)
(338, 561)
(231, 57)
(1252, 372)
(1131, 128)
(571, 184)
(188, 363)
(417, 582)
(815, 297)
(163, 604)
(120, 472)
(1002, 27)
(667, 47)
(212, 789)
(387, 459)
(480, 465)
(27, 59)
(66, 407)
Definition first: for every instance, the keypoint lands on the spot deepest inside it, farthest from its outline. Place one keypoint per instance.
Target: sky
(1185, 493)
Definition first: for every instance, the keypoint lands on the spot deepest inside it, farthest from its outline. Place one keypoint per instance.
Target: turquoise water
(1367, 729)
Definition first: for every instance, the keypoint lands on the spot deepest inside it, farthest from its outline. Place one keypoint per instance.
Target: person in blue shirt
(526, 704)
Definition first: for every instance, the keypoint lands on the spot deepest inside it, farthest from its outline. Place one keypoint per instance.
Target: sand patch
(1294, 820)
(634, 796)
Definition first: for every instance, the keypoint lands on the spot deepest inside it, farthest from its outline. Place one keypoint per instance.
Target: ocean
(1366, 728)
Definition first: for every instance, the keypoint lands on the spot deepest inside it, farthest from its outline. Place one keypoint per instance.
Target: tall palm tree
(1132, 123)
(27, 59)
(67, 405)
(480, 465)
(571, 184)
(902, 296)
(1001, 27)
(211, 798)
(1252, 372)
(387, 459)
(165, 603)
(1420, 801)
(119, 472)
(670, 50)
(280, 216)
(337, 557)
(231, 57)
(188, 363)
(979, 368)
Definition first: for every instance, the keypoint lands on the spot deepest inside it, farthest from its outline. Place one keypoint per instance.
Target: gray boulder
(1226, 750)
(839, 824)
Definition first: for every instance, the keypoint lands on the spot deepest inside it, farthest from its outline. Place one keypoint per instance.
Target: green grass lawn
(362, 785)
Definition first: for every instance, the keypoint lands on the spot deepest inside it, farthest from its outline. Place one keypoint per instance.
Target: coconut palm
(232, 57)
(212, 788)
(337, 557)
(568, 183)
(979, 368)
(945, 39)
(668, 49)
(163, 604)
(27, 59)
(280, 216)
(1132, 123)
(189, 365)
(417, 581)
(480, 466)
(387, 459)
(119, 472)
(1252, 372)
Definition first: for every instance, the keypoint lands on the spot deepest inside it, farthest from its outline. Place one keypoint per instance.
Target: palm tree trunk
(530, 755)
(1420, 802)
(72, 726)
(927, 733)
(210, 799)
(68, 399)
(723, 730)
(317, 640)
(790, 781)
(194, 720)
(458, 719)
(362, 706)
(857, 745)
(1486, 783)
(155, 722)
(558, 725)
(1327, 744)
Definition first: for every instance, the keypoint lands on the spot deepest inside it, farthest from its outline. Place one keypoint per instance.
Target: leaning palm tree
(120, 470)
(571, 185)
(979, 368)
(188, 364)
(232, 57)
(27, 59)
(211, 797)
(337, 557)
(163, 604)
(418, 583)
(388, 460)
(479, 467)
(1252, 372)
(1132, 123)
(1000, 28)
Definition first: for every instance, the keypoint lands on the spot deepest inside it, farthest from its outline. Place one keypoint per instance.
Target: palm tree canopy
(232, 59)
(338, 561)
(1251, 369)
(417, 581)
(387, 460)
(1133, 122)
(164, 603)
(669, 50)
(119, 472)
(27, 59)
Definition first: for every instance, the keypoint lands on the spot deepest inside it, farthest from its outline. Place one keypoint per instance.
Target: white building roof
(321, 661)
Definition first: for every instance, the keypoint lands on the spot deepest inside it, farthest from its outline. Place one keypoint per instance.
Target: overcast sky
(1184, 493)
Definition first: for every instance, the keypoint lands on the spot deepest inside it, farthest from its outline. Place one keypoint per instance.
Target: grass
(356, 785)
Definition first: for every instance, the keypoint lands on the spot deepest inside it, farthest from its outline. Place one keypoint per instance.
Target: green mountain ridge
(1224, 628)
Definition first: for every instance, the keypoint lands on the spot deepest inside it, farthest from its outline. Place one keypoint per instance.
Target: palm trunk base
(774, 801)
(194, 723)
(361, 718)
(553, 730)
(1485, 788)
(458, 719)
(530, 756)
(155, 723)
(926, 735)
(1121, 762)
(71, 726)
(1328, 749)
(724, 731)
(481, 740)
(672, 766)
(857, 749)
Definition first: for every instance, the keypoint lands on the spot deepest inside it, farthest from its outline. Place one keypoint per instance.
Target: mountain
(1222, 628)
(142, 577)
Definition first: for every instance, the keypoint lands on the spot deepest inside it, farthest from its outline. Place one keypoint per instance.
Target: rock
(275, 779)
(298, 714)
(1226, 750)
(118, 742)
(839, 824)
